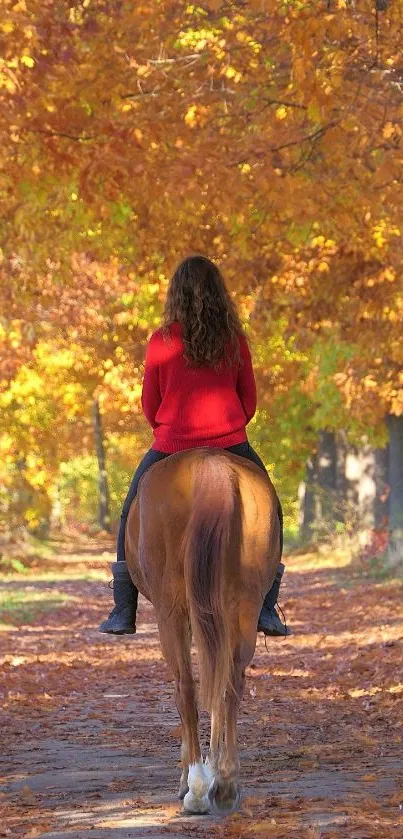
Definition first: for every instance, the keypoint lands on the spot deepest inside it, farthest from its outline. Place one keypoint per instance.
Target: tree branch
(50, 133)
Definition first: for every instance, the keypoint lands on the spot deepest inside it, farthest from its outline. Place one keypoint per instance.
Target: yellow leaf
(390, 129)
(190, 116)
(232, 73)
(8, 84)
(281, 112)
(27, 60)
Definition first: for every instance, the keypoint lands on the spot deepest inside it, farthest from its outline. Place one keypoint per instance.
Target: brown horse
(203, 545)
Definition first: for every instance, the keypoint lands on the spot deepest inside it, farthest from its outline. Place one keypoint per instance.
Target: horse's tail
(206, 542)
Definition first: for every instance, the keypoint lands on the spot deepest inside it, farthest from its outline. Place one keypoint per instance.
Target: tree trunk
(56, 511)
(367, 489)
(353, 472)
(341, 505)
(381, 509)
(306, 497)
(366, 494)
(395, 428)
(326, 483)
(104, 510)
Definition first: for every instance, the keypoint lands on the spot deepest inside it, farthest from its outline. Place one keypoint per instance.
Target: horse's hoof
(193, 806)
(224, 798)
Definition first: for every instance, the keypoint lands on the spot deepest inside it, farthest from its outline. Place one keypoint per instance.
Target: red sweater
(187, 406)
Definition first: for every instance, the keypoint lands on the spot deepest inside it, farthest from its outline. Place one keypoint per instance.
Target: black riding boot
(269, 621)
(122, 619)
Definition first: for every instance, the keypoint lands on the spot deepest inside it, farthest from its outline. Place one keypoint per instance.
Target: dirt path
(89, 725)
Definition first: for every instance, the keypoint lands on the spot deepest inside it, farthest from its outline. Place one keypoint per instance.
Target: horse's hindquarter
(154, 530)
(260, 528)
(157, 522)
(260, 549)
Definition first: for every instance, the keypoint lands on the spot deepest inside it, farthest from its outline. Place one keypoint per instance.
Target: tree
(268, 138)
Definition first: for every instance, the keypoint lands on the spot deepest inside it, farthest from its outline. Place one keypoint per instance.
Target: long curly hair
(198, 299)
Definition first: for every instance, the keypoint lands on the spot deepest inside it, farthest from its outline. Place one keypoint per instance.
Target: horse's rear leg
(216, 736)
(175, 643)
(224, 792)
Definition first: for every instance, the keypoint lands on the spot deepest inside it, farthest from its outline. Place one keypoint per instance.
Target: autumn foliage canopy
(264, 134)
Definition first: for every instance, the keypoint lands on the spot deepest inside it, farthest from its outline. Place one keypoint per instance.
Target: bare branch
(49, 133)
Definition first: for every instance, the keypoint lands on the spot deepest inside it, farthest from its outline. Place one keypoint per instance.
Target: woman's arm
(246, 385)
(151, 394)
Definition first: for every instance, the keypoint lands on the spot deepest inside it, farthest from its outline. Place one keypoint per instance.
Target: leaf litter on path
(91, 730)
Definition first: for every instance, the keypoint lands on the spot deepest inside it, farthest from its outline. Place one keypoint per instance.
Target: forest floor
(89, 730)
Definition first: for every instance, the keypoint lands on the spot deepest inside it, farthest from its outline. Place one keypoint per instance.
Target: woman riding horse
(198, 391)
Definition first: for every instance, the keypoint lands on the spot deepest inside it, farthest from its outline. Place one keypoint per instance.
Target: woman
(198, 390)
